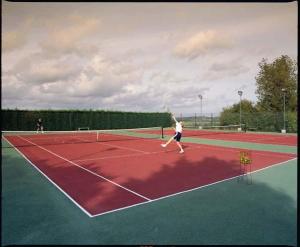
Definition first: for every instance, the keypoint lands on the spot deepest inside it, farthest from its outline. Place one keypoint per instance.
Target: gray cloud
(167, 77)
(69, 37)
(221, 70)
(59, 83)
(202, 43)
(35, 69)
(137, 56)
(13, 40)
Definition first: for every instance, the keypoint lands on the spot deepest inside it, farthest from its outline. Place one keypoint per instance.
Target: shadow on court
(36, 212)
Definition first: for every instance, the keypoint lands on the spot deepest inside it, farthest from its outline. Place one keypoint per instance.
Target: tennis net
(29, 138)
(209, 130)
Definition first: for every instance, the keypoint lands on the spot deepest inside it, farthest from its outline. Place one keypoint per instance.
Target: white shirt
(178, 127)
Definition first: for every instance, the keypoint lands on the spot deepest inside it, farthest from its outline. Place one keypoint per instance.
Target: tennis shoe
(163, 145)
(181, 152)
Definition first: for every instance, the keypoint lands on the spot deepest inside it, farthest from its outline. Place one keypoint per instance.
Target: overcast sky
(139, 56)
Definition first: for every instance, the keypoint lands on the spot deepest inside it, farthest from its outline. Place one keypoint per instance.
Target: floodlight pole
(240, 93)
(283, 90)
(200, 97)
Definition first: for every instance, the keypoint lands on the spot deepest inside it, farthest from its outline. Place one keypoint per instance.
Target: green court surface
(227, 213)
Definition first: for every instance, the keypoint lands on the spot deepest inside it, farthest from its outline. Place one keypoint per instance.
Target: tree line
(276, 88)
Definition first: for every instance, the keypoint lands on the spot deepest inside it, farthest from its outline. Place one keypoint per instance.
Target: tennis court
(104, 172)
(232, 134)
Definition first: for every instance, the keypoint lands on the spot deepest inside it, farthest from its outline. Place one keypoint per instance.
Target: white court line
(146, 153)
(67, 195)
(254, 140)
(196, 146)
(96, 174)
(186, 191)
(193, 146)
(151, 200)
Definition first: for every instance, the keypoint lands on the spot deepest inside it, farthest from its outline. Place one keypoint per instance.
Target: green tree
(231, 114)
(246, 105)
(271, 79)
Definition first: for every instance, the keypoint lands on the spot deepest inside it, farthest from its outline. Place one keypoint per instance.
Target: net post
(162, 132)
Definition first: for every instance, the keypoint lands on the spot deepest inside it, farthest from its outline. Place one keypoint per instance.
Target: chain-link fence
(196, 120)
(254, 121)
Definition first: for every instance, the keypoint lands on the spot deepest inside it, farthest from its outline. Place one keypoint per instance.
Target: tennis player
(39, 125)
(177, 136)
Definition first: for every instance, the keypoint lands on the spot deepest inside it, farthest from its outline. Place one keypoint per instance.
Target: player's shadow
(256, 213)
(183, 175)
(224, 213)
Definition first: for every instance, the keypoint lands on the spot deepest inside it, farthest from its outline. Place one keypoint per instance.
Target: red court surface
(102, 177)
(277, 139)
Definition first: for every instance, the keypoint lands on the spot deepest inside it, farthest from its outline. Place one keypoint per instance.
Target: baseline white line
(96, 174)
(67, 195)
(197, 188)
